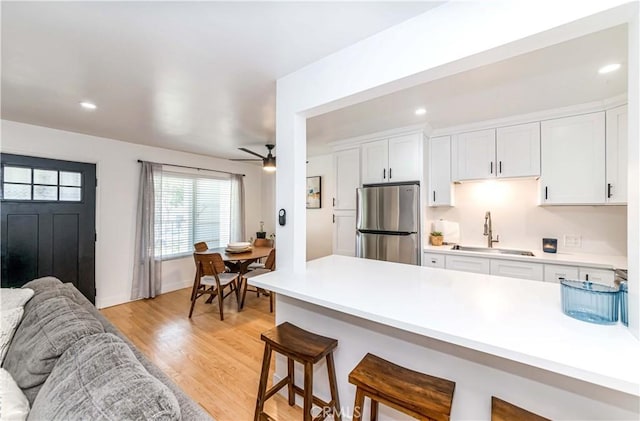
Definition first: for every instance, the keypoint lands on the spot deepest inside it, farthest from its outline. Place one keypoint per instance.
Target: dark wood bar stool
(416, 394)
(307, 348)
(504, 411)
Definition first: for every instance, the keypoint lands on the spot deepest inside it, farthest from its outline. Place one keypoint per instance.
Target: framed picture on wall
(313, 192)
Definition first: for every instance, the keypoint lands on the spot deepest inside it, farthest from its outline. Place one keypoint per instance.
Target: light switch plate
(573, 240)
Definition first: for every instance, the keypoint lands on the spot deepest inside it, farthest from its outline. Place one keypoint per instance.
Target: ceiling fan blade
(251, 152)
(247, 160)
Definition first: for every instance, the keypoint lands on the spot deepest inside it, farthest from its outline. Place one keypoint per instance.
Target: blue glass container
(624, 304)
(589, 302)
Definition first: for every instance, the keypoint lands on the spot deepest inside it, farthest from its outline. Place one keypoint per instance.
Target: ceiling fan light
(269, 163)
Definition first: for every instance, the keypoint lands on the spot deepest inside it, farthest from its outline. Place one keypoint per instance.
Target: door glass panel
(70, 178)
(70, 194)
(45, 177)
(16, 191)
(17, 175)
(45, 192)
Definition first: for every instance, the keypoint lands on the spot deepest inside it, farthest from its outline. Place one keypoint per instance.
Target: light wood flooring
(216, 363)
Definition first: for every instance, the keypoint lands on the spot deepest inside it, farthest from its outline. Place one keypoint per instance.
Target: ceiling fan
(268, 162)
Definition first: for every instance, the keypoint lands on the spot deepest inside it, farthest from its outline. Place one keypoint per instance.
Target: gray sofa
(72, 363)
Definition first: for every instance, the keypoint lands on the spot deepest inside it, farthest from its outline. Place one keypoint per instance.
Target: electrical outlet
(573, 240)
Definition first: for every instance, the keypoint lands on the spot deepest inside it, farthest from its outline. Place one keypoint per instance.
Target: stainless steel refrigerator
(388, 223)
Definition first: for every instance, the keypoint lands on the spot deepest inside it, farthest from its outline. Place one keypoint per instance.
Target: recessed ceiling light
(609, 68)
(88, 105)
(421, 111)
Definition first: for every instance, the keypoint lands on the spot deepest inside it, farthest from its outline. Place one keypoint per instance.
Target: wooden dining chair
(260, 242)
(201, 246)
(269, 265)
(211, 279)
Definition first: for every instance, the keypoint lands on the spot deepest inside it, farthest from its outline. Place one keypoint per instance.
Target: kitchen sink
(492, 250)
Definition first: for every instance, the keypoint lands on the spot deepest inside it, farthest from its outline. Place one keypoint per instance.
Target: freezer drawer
(402, 248)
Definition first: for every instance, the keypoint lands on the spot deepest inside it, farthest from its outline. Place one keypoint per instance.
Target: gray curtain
(147, 267)
(237, 208)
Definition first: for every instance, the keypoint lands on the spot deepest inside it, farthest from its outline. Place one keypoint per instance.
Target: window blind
(191, 208)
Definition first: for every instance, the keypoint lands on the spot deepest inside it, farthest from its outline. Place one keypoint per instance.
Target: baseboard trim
(114, 300)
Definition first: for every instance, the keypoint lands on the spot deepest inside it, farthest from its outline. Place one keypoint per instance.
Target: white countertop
(516, 319)
(600, 261)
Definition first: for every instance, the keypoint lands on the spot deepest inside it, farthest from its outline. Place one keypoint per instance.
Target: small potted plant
(436, 238)
(262, 233)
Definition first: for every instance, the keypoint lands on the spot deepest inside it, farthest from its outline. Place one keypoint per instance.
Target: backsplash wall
(522, 224)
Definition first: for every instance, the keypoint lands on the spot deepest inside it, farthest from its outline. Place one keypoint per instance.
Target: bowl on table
(238, 247)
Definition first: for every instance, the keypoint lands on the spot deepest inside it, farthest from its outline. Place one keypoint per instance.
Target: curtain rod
(192, 168)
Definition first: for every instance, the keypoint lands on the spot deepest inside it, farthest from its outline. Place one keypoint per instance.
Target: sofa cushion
(99, 378)
(42, 284)
(13, 404)
(11, 298)
(55, 290)
(46, 331)
(9, 321)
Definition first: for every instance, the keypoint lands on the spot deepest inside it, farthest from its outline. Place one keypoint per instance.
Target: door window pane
(70, 194)
(70, 178)
(16, 191)
(45, 177)
(45, 193)
(17, 175)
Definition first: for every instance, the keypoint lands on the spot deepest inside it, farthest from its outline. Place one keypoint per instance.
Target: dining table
(239, 262)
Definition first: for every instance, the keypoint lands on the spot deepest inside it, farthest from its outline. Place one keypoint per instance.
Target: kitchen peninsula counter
(470, 323)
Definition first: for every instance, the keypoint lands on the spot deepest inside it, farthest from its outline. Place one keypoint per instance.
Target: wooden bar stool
(422, 396)
(307, 348)
(504, 411)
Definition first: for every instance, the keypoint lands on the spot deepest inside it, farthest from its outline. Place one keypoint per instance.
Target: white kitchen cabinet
(573, 164)
(405, 162)
(440, 185)
(344, 233)
(433, 260)
(468, 264)
(515, 269)
(346, 166)
(616, 163)
(375, 159)
(473, 155)
(556, 273)
(396, 159)
(518, 150)
(601, 276)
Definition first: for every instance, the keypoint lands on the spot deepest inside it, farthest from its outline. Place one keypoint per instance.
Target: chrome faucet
(488, 230)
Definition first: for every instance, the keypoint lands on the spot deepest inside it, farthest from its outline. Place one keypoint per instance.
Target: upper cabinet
(392, 160)
(518, 150)
(616, 144)
(346, 165)
(573, 164)
(440, 187)
(506, 152)
(473, 155)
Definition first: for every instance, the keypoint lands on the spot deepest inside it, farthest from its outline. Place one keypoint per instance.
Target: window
(34, 184)
(189, 209)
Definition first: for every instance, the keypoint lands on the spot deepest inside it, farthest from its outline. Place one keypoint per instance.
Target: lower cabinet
(556, 273)
(344, 233)
(601, 276)
(468, 264)
(433, 260)
(515, 269)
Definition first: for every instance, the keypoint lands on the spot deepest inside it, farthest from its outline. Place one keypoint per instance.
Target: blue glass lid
(623, 286)
(589, 286)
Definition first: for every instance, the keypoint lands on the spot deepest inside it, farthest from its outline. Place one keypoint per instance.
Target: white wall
(319, 221)
(118, 171)
(522, 224)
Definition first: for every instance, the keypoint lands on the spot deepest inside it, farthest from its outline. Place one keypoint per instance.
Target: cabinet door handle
(586, 277)
(389, 173)
(334, 218)
(546, 193)
(384, 173)
(500, 167)
(491, 167)
(609, 191)
(334, 202)
(434, 195)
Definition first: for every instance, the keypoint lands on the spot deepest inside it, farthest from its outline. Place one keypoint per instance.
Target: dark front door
(48, 221)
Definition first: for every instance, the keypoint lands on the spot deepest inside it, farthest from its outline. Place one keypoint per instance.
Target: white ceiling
(191, 76)
(557, 76)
